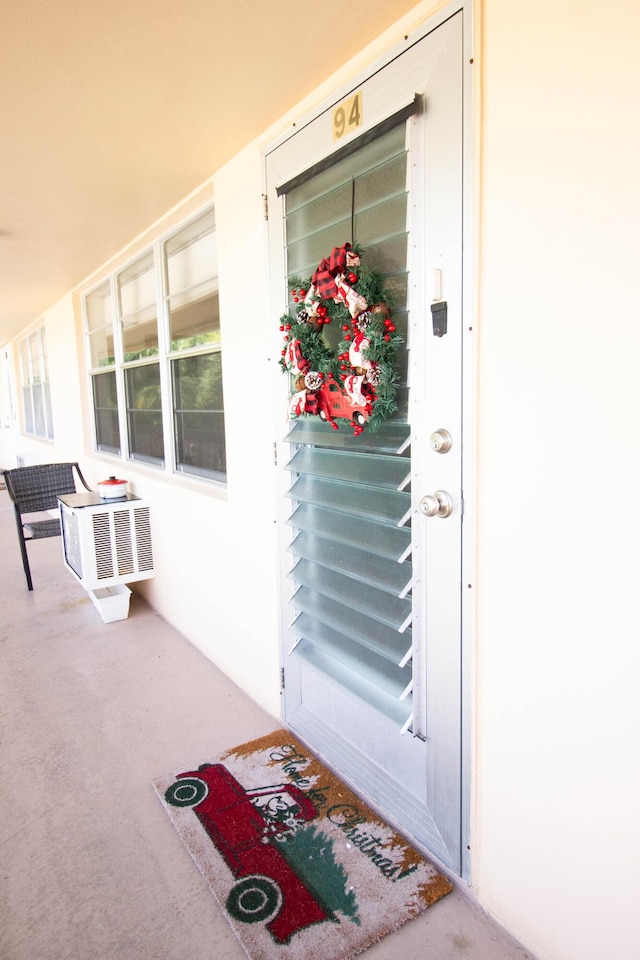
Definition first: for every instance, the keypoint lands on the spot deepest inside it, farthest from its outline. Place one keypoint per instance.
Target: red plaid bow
(324, 278)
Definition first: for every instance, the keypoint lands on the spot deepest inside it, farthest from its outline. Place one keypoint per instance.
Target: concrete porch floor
(90, 713)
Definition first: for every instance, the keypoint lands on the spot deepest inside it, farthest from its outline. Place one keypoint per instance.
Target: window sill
(132, 469)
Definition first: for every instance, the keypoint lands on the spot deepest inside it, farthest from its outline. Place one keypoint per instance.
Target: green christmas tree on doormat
(309, 852)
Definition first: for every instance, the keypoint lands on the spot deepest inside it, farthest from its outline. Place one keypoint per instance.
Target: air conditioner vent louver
(107, 543)
(102, 545)
(124, 545)
(143, 538)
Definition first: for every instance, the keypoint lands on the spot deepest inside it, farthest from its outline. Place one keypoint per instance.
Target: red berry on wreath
(352, 278)
(387, 337)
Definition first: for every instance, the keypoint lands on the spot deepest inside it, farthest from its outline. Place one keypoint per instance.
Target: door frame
(468, 374)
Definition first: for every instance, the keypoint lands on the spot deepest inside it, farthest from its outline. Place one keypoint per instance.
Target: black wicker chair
(36, 489)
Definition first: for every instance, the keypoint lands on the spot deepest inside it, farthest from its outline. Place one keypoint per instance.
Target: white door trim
(468, 601)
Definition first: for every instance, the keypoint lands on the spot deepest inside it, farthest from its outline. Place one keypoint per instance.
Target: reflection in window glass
(101, 347)
(98, 308)
(195, 323)
(138, 295)
(36, 396)
(144, 413)
(199, 415)
(99, 320)
(105, 405)
(192, 280)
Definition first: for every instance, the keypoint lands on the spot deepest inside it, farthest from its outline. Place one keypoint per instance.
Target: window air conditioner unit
(106, 542)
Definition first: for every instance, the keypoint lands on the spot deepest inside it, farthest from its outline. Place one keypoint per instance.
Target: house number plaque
(347, 116)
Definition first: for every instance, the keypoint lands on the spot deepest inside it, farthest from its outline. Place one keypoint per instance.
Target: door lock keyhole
(440, 441)
(438, 504)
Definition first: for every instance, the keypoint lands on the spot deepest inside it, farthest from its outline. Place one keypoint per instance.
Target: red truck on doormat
(245, 825)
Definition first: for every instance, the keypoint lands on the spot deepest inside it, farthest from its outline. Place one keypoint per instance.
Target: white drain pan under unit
(106, 542)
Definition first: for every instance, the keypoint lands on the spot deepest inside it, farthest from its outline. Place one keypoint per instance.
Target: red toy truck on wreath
(334, 401)
(358, 383)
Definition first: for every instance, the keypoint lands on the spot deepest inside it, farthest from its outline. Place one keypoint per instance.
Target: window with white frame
(36, 393)
(136, 298)
(153, 332)
(99, 322)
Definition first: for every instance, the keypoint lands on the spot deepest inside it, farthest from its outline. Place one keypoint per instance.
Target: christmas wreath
(357, 379)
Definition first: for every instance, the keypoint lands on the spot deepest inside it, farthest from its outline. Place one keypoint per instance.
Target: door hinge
(282, 678)
(265, 200)
(275, 454)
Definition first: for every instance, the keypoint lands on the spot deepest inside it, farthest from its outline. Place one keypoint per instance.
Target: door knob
(438, 504)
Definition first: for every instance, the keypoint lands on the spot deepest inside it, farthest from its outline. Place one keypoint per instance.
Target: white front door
(371, 575)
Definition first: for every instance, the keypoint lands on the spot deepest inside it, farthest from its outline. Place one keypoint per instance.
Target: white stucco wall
(223, 548)
(555, 851)
(555, 829)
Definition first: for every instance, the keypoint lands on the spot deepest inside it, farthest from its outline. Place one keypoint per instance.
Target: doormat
(301, 867)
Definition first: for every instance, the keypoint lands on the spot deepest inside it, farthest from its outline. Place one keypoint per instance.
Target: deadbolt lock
(440, 441)
(438, 504)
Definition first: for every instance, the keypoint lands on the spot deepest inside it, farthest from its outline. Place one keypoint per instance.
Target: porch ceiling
(112, 111)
